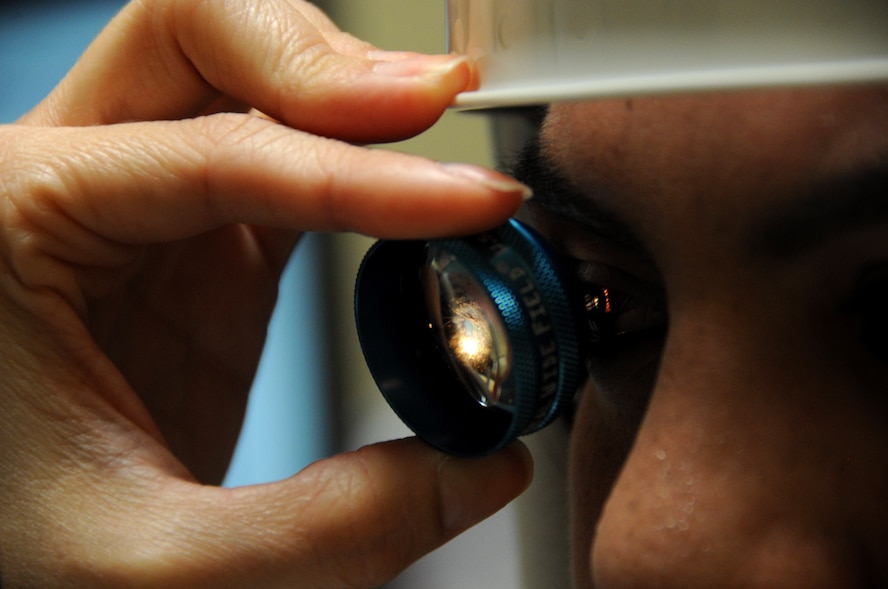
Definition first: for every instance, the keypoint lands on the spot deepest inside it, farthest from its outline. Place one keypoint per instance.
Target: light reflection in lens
(468, 325)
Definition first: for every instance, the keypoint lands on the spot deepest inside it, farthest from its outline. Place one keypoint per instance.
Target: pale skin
(147, 208)
(746, 447)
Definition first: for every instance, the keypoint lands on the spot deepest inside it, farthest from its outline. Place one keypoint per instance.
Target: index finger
(174, 58)
(159, 181)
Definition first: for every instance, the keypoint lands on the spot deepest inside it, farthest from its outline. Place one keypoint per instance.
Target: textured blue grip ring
(519, 273)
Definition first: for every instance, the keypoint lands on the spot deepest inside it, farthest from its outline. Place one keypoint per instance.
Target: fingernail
(489, 178)
(413, 65)
(385, 55)
(476, 488)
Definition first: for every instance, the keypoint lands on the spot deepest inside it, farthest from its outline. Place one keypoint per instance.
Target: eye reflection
(468, 326)
(611, 314)
(599, 310)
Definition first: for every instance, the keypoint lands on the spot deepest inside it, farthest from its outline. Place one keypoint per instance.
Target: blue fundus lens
(473, 341)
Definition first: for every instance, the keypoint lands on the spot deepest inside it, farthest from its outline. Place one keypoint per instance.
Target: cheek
(607, 418)
(603, 433)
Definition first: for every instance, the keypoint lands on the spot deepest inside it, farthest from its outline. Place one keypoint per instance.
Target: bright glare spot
(469, 347)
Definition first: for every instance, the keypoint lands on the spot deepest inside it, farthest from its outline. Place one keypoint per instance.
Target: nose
(742, 472)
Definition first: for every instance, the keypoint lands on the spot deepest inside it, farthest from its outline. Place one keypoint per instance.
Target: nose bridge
(718, 469)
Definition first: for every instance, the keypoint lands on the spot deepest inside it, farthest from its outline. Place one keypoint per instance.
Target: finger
(149, 182)
(165, 60)
(355, 520)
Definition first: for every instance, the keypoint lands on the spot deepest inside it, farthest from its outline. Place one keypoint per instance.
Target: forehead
(678, 138)
(724, 155)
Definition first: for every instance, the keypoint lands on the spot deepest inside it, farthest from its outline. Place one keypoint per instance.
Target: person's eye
(626, 325)
(869, 306)
(618, 308)
(613, 316)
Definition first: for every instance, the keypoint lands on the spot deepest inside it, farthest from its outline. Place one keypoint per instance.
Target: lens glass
(468, 326)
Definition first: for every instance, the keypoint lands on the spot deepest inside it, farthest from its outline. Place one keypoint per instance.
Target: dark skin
(746, 446)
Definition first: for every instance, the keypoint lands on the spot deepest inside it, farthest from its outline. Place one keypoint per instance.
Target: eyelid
(556, 194)
(589, 273)
(588, 252)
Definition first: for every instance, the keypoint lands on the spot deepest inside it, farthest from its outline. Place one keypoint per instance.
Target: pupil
(468, 326)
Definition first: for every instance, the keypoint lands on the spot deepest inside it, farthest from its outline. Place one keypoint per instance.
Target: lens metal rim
(414, 374)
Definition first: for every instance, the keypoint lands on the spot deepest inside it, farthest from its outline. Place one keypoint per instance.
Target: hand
(147, 208)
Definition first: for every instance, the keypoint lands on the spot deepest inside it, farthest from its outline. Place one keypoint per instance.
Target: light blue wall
(288, 420)
(288, 416)
(39, 42)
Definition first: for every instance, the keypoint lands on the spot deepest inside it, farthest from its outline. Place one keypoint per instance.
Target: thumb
(355, 520)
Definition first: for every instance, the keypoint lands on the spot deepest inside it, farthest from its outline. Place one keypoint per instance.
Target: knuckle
(367, 528)
(30, 215)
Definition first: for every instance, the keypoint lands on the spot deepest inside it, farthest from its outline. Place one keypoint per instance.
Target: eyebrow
(832, 209)
(554, 193)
